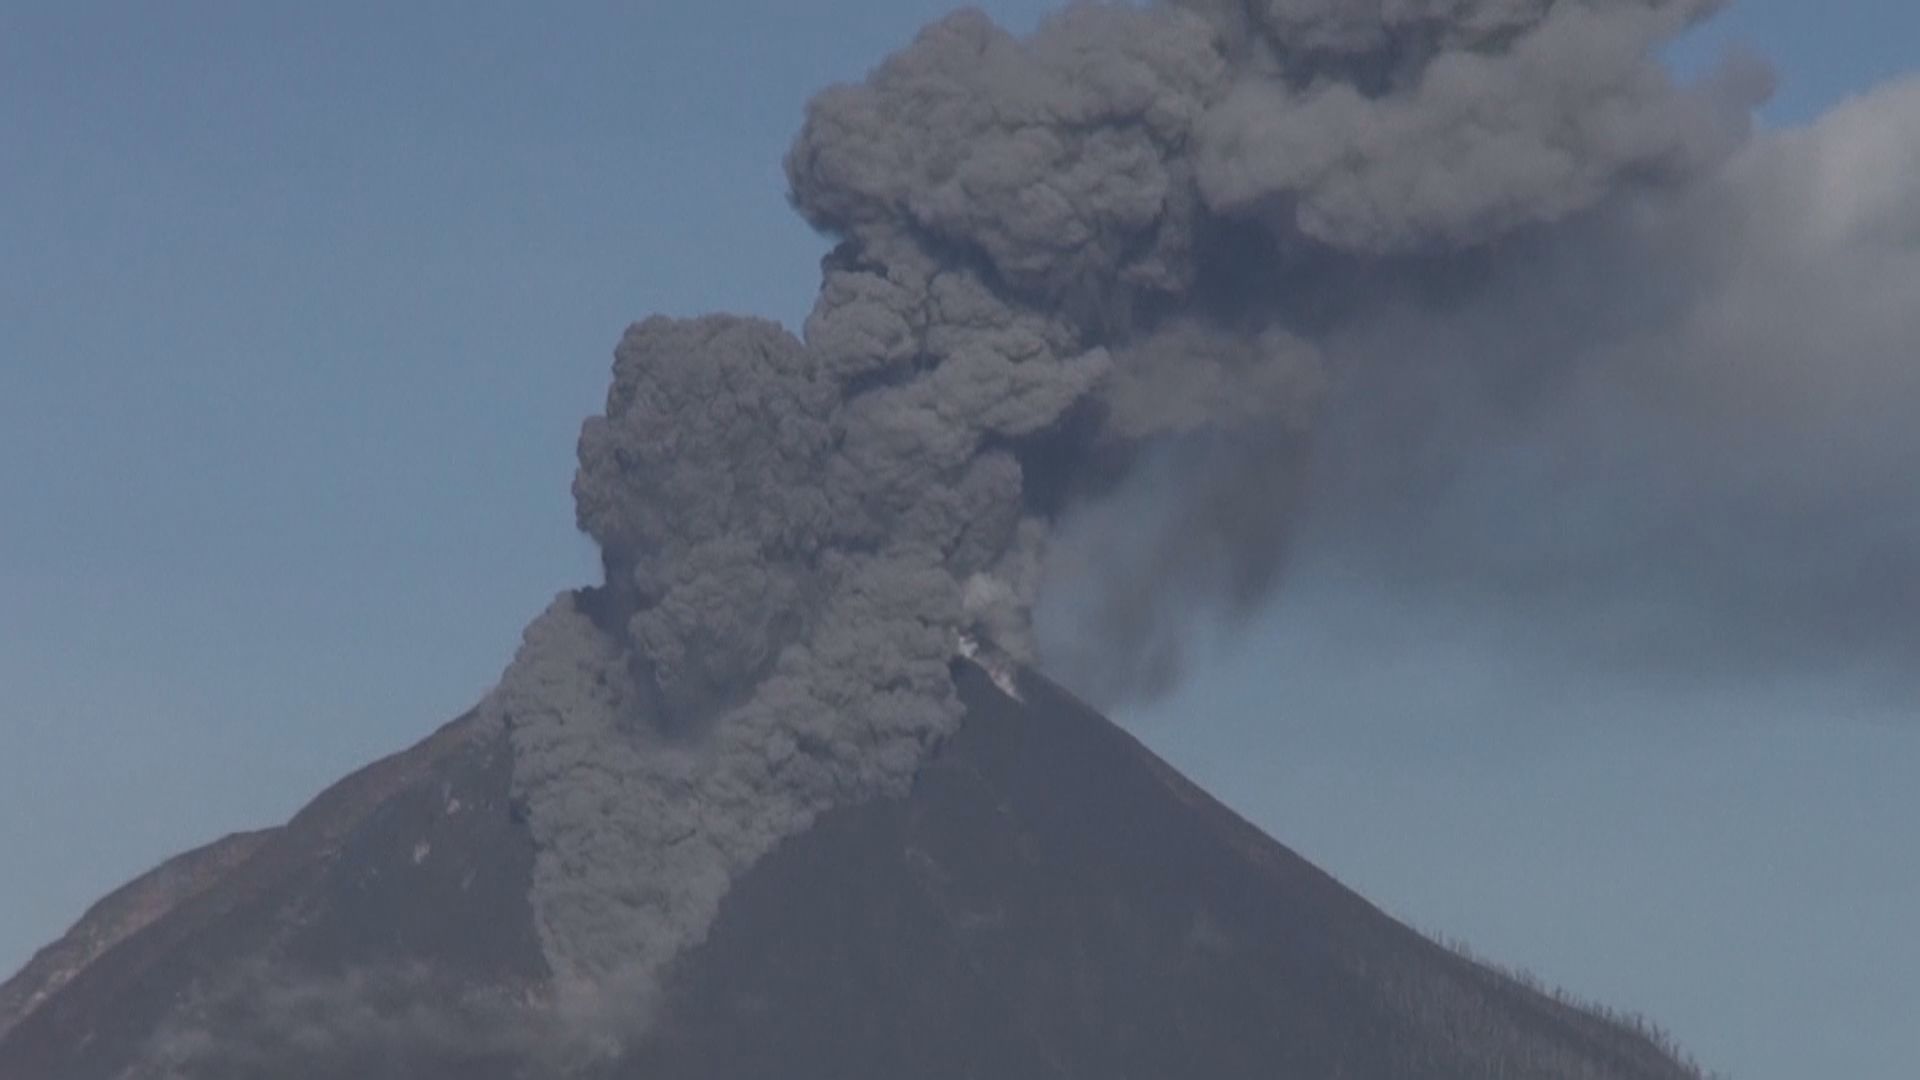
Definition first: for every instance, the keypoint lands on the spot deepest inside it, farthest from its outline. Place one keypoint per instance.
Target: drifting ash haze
(1101, 296)
(1120, 308)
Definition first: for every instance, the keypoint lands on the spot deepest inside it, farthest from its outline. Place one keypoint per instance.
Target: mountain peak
(1049, 899)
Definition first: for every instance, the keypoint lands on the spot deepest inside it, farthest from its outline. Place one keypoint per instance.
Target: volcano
(1049, 899)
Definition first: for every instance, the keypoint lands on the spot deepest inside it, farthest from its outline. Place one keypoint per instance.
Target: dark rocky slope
(410, 871)
(1054, 900)
(1051, 900)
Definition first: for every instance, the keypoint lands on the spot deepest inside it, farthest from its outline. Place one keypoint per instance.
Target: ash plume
(1120, 251)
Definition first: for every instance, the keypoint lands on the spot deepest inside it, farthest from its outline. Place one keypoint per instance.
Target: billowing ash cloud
(1123, 249)
(1676, 442)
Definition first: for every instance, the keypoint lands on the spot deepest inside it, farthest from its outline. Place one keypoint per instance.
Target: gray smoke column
(1116, 245)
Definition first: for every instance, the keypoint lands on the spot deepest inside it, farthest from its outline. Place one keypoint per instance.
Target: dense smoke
(1128, 249)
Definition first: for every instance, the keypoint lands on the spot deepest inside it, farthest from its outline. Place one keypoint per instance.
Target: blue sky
(300, 309)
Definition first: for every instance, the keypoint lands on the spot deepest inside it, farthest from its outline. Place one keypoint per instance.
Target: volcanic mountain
(1049, 899)
(1102, 305)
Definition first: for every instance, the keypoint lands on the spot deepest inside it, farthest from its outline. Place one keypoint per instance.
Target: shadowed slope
(410, 869)
(1050, 900)
(124, 912)
(1054, 900)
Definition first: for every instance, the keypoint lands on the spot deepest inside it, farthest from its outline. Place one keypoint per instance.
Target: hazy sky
(300, 310)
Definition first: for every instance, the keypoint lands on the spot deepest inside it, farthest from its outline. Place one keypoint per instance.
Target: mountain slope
(1051, 900)
(123, 913)
(1054, 900)
(409, 872)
